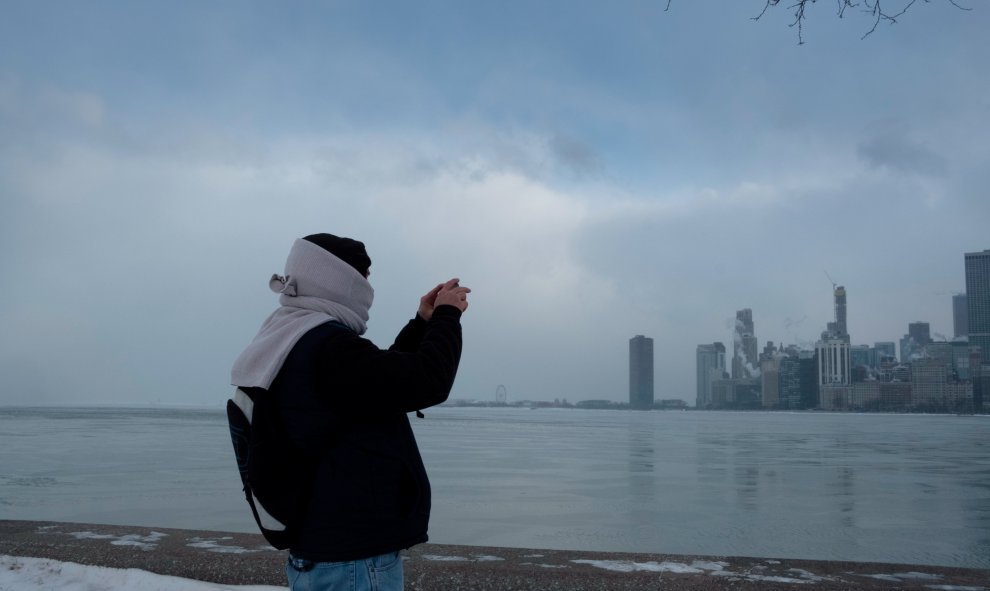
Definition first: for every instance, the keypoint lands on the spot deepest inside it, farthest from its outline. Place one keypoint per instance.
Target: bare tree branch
(871, 7)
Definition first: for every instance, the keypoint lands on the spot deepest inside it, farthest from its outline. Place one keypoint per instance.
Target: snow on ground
(626, 566)
(793, 576)
(41, 574)
(716, 569)
(219, 545)
(148, 542)
(474, 558)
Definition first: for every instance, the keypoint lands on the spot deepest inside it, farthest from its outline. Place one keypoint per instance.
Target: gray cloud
(894, 149)
(575, 155)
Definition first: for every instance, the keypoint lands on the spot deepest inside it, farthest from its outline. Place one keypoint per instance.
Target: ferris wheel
(500, 394)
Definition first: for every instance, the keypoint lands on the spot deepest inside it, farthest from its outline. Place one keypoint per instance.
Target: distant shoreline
(219, 409)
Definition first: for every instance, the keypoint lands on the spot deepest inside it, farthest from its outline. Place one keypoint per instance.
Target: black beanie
(350, 251)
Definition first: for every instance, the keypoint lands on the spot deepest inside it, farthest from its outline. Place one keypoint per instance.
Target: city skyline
(931, 374)
(920, 324)
(592, 172)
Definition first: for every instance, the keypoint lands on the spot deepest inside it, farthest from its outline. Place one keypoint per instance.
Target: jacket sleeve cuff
(447, 310)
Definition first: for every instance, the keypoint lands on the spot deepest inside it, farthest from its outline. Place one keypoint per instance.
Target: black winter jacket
(342, 402)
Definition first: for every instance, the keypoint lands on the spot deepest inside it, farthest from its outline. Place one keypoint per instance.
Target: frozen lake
(889, 488)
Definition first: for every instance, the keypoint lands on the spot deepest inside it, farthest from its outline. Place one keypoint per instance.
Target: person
(342, 404)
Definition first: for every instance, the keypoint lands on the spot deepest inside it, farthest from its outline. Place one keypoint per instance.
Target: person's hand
(428, 302)
(451, 293)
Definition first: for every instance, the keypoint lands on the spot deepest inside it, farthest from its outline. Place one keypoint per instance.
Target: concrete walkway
(236, 558)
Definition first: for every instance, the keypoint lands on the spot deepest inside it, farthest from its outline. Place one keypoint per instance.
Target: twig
(872, 7)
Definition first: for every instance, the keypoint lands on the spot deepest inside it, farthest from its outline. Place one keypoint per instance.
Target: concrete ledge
(245, 559)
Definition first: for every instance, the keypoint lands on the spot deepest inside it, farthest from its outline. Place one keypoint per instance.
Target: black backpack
(275, 479)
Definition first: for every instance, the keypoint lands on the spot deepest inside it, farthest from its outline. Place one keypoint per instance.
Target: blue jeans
(378, 573)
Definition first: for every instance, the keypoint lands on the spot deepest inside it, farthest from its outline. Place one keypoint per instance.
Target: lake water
(887, 488)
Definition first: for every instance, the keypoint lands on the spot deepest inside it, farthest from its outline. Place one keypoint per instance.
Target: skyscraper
(913, 344)
(833, 362)
(641, 372)
(770, 387)
(710, 367)
(744, 353)
(960, 316)
(885, 349)
(799, 381)
(978, 300)
(839, 328)
(832, 354)
(921, 332)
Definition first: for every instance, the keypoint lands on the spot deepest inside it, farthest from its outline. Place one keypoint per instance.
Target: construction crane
(834, 284)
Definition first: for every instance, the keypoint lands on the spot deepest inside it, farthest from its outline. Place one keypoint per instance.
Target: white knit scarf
(317, 287)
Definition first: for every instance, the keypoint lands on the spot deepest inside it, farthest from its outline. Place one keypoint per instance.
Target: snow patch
(810, 576)
(148, 542)
(627, 566)
(88, 535)
(775, 579)
(543, 565)
(901, 577)
(439, 558)
(474, 558)
(214, 545)
(715, 569)
(887, 578)
(917, 576)
(709, 565)
(955, 588)
(41, 574)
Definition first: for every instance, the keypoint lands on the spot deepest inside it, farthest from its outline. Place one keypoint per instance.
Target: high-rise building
(790, 383)
(885, 349)
(808, 371)
(832, 352)
(744, 354)
(641, 372)
(838, 328)
(928, 380)
(921, 332)
(960, 316)
(940, 351)
(978, 300)
(859, 355)
(960, 359)
(710, 367)
(833, 362)
(981, 389)
(770, 381)
(914, 342)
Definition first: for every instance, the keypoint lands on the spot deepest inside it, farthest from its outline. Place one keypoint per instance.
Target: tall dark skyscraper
(839, 328)
(641, 372)
(744, 353)
(978, 300)
(960, 316)
(799, 382)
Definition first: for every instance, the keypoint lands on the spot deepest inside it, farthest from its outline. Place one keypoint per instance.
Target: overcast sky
(593, 170)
